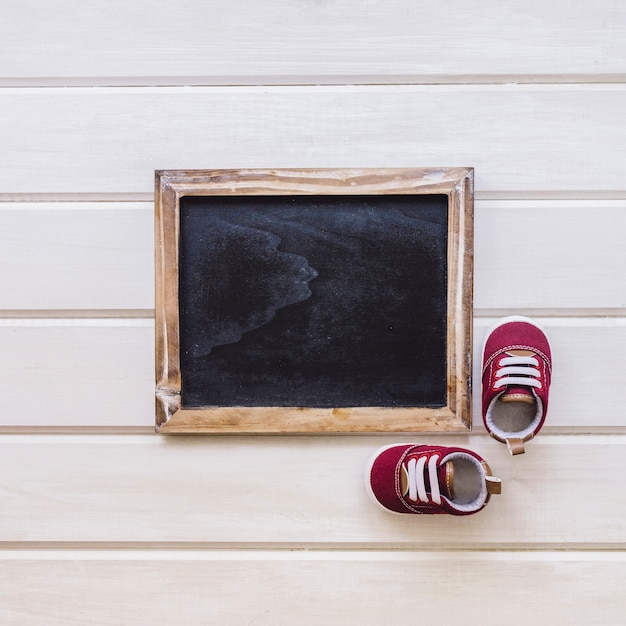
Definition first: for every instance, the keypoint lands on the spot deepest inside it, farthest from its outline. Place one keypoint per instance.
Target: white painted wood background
(104, 522)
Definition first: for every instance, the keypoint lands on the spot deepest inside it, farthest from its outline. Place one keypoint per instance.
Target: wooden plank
(575, 399)
(530, 137)
(295, 492)
(99, 255)
(549, 254)
(87, 255)
(277, 41)
(310, 588)
(100, 372)
(78, 372)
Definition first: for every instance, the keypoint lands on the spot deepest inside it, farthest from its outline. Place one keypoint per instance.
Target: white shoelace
(417, 481)
(518, 370)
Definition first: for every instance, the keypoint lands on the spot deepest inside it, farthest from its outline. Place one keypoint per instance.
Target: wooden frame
(454, 414)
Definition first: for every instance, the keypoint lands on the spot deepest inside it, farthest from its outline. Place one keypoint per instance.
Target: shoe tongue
(518, 393)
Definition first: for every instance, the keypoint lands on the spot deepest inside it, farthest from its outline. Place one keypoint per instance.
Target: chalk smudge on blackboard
(250, 280)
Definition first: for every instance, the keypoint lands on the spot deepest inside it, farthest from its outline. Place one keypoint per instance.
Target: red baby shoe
(516, 374)
(415, 478)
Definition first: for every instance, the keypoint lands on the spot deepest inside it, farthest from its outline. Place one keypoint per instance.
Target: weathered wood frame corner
(172, 185)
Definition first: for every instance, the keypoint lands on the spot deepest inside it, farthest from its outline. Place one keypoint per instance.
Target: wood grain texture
(546, 254)
(99, 372)
(77, 256)
(574, 395)
(517, 137)
(295, 492)
(146, 529)
(99, 255)
(157, 42)
(310, 588)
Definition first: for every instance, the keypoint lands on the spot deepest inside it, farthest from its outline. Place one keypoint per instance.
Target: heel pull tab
(516, 446)
(494, 485)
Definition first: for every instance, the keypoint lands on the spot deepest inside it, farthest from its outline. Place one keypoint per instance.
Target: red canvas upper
(517, 368)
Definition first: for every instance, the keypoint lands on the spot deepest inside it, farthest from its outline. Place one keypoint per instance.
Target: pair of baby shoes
(516, 375)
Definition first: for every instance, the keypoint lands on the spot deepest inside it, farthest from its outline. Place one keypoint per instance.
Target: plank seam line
(75, 314)
(294, 546)
(312, 80)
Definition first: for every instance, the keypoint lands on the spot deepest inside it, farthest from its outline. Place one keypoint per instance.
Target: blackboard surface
(313, 301)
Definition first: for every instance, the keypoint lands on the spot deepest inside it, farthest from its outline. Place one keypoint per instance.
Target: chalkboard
(313, 300)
